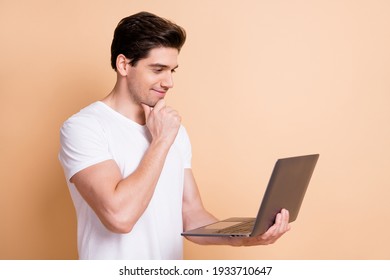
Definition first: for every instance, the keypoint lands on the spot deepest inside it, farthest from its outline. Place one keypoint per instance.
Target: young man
(127, 158)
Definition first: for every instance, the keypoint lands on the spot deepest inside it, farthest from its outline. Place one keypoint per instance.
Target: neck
(120, 100)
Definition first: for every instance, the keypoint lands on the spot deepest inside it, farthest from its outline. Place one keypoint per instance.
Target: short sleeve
(83, 143)
(184, 144)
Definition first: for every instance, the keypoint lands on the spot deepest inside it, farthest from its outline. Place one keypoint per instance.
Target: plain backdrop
(258, 80)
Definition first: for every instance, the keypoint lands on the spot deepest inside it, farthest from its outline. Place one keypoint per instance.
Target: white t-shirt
(98, 133)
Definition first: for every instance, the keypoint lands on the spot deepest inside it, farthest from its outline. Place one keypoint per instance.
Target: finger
(170, 111)
(287, 214)
(159, 105)
(285, 220)
(278, 223)
(286, 225)
(268, 235)
(282, 222)
(280, 227)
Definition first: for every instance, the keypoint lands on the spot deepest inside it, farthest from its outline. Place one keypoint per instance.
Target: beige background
(258, 80)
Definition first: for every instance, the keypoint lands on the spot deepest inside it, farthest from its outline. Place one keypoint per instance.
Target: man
(127, 158)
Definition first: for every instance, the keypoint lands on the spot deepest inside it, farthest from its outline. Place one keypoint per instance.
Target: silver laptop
(286, 189)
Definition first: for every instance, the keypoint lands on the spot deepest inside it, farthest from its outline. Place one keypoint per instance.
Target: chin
(152, 103)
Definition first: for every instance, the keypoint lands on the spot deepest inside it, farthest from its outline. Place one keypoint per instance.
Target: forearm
(201, 218)
(194, 213)
(132, 195)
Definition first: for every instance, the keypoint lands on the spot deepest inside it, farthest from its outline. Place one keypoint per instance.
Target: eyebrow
(159, 65)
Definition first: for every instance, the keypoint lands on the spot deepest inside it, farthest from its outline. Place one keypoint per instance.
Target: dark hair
(137, 34)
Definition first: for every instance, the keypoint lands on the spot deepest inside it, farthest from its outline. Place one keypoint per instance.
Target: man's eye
(160, 70)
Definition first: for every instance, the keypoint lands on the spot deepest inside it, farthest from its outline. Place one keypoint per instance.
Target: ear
(122, 65)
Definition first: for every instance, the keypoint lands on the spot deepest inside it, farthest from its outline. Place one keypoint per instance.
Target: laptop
(286, 189)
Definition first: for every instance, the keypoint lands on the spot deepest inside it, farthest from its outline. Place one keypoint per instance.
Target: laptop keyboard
(242, 227)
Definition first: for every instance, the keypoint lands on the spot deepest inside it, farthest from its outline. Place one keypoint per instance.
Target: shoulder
(183, 143)
(182, 135)
(90, 115)
(89, 112)
(87, 121)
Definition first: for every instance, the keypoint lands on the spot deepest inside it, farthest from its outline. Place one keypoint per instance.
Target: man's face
(150, 79)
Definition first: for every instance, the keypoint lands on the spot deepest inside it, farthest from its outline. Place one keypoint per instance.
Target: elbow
(120, 227)
(118, 223)
(119, 218)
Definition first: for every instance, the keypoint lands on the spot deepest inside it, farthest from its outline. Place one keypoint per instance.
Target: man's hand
(162, 121)
(276, 231)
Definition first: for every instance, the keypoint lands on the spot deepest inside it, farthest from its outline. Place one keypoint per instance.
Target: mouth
(160, 93)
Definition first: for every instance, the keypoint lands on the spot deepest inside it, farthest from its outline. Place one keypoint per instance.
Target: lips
(160, 93)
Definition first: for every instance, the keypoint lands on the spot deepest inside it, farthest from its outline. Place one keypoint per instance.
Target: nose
(167, 81)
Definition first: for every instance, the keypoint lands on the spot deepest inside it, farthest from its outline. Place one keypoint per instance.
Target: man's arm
(195, 215)
(120, 202)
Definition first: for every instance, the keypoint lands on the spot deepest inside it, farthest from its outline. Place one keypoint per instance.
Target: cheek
(142, 81)
(134, 83)
(140, 87)
(151, 80)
